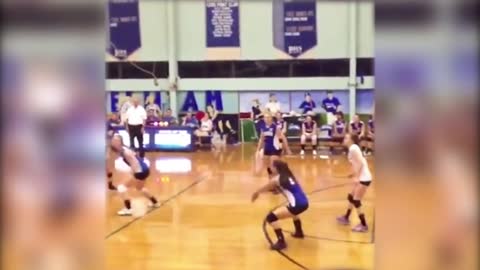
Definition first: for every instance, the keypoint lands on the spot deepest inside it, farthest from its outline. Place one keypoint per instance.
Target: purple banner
(124, 28)
(294, 26)
(222, 23)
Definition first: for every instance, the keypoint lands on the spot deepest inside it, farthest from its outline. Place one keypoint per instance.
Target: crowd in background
(211, 124)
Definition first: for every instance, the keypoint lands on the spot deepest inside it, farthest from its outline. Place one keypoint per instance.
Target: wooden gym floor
(206, 220)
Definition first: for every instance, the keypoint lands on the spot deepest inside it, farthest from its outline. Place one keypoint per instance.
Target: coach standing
(136, 117)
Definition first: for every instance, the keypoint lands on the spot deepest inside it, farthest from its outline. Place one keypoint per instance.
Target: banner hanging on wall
(124, 27)
(223, 27)
(294, 26)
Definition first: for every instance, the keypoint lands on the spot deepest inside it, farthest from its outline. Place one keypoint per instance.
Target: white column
(172, 53)
(352, 44)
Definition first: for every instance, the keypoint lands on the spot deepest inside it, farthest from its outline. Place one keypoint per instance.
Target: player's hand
(255, 196)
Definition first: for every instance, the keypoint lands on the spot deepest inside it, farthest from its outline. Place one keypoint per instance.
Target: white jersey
(365, 174)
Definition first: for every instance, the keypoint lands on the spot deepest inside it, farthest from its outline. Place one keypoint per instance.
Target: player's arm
(303, 129)
(266, 188)
(362, 131)
(260, 142)
(334, 129)
(356, 165)
(284, 128)
(282, 136)
(132, 160)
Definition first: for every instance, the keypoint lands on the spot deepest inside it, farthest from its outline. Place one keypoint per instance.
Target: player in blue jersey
(271, 141)
(287, 184)
(140, 173)
(308, 104)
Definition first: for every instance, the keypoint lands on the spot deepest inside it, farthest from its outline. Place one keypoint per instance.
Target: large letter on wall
(124, 28)
(214, 96)
(190, 102)
(294, 26)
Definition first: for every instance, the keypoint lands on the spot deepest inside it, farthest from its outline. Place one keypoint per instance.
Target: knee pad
(269, 171)
(271, 217)
(350, 198)
(109, 175)
(122, 188)
(357, 203)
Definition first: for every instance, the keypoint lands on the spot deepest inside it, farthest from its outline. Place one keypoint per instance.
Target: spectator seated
(204, 133)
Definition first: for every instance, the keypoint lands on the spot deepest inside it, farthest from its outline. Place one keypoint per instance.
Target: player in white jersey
(362, 178)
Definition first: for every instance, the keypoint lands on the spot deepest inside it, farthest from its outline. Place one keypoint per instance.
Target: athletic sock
(362, 219)
(279, 234)
(153, 200)
(127, 204)
(347, 215)
(111, 186)
(298, 226)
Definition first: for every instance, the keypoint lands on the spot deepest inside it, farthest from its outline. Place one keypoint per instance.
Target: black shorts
(298, 209)
(272, 152)
(366, 183)
(142, 175)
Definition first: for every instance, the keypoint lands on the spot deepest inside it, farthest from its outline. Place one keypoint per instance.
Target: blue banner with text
(124, 27)
(222, 23)
(295, 26)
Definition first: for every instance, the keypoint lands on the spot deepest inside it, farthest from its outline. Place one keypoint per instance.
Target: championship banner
(294, 26)
(124, 27)
(223, 27)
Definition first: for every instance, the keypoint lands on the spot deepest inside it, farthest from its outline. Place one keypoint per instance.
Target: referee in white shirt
(136, 116)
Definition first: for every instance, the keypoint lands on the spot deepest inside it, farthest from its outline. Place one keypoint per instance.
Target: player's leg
(314, 143)
(370, 143)
(357, 203)
(345, 219)
(140, 186)
(110, 166)
(272, 219)
(122, 190)
(303, 140)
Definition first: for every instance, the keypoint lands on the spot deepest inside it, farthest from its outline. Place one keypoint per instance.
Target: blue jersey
(371, 125)
(309, 127)
(271, 141)
(143, 165)
(292, 191)
(331, 105)
(340, 126)
(307, 106)
(356, 128)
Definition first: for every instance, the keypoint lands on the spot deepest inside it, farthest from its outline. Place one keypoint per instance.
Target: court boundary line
(286, 256)
(126, 225)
